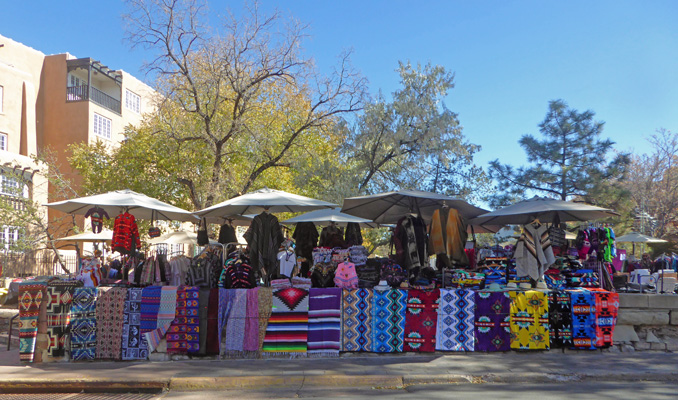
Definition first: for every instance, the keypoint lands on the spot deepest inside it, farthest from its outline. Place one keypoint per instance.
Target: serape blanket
(226, 297)
(357, 320)
(110, 310)
(31, 296)
(456, 320)
(388, 320)
(287, 330)
(235, 325)
(83, 324)
(150, 305)
(192, 320)
(176, 334)
(265, 295)
(607, 308)
(131, 329)
(324, 322)
(251, 342)
(59, 299)
(583, 319)
(492, 321)
(421, 320)
(166, 313)
(529, 320)
(560, 319)
(213, 322)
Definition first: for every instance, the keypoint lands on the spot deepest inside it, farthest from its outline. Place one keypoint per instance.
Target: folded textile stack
(301, 283)
(358, 255)
(585, 278)
(280, 283)
(322, 255)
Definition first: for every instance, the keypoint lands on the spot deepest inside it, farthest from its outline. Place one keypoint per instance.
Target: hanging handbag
(203, 240)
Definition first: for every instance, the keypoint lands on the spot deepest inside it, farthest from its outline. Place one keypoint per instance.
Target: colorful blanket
(131, 329)
(287, 330)
(607, 308)
(235, 325)
(31, 295)
(166, 313)
(456, 320)
(324, 322)
(357, 320)
(265, 295)
(226, 297)
(59, 299)
(388, 320)
(251, 342)
(110, 309)
(192, 320)
(421, 320)
(560, 319)
(583, 319)
(176, 334)
(150, 305)
(529, 320)
(83, 324)
(492, 321)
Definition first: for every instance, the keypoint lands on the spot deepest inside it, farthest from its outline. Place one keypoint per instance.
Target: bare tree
(229, 90)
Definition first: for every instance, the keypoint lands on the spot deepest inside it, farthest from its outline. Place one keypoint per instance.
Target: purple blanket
(492, 319)
(324, 321)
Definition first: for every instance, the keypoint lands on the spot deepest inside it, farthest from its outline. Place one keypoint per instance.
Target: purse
(203, 240)
(154, 231)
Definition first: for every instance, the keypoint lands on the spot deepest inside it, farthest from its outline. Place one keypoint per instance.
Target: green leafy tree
(570, 160)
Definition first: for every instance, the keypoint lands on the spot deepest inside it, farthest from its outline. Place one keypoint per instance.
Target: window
(3, 141)
(13, 185)
(9, 237)
(132, 101)
(1, 98)
(102, 126)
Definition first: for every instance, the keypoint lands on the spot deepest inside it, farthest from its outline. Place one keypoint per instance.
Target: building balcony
(87, 92)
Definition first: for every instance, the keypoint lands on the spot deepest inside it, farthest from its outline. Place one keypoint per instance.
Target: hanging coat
(533, 251)
(264, 237)
(447, 237)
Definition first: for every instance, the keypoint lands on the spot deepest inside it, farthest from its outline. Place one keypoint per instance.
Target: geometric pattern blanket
(287, 330)
(31, 295)
(421, 320)
(83, 324)
(388, 320)
(529, 320)
(131, 330)
(110, 309)
(560, 319)
(357, 322)
(492, 321)
(607, 308)
(456, 316)
(59, 299)
(583, 305)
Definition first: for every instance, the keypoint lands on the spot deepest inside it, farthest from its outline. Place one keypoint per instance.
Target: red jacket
(125, 234)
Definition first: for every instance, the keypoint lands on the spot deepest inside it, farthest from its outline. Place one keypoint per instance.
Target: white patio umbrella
(235, 220)
(263, 199)
(103, 236)
(115, 202)
(547, 210)
(178, 237)
(389, 207)
(324, 217)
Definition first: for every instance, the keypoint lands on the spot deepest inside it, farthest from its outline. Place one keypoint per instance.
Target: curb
(185, 384)
(80, 385)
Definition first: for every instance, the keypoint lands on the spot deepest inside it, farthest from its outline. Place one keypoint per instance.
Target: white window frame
(9, 186)
(102, 126)
(9, 236)
(3, 140)
(2, 98)
(132, 101)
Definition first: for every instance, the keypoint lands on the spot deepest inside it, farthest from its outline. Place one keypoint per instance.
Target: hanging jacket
(264, 237)
(353, 235)
(305, 238)
(448, 236)
(533, 251)
(125, 234)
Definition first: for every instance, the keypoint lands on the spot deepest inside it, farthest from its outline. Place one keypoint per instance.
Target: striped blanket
(287, 330)
(324, 322)
(31, 296)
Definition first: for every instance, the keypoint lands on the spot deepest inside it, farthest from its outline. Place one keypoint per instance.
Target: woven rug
(357, 320)
(192, 320)
(529, 320)
(166, 313)
(287, 330)
(388, 320)
(131, 328)
(234, 339)
(251, 342)
(83, 324)
(176, 334)
(265, 295)
(213, 323)
(421, 319)
(324, 322)
(607, 308)
(492, 321)
(583, 319)
(560, 319)
(31, 295)
(456, 320)
(226, 297)
(59, 299)
(110, 311)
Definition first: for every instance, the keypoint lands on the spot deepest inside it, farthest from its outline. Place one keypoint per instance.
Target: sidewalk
(347, 371)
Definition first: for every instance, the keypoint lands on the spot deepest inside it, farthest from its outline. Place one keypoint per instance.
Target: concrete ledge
(633, 300)
(643, 317)
(188, 384)
(625, 334)
(666, 301)
(382, 381)
(8, 313)
(437, 379)
(674, 317)
(80, 385)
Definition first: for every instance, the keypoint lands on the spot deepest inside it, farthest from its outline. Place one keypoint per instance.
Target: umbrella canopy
(389, 207)
(324, 217)
(104, 236)
(137, 204)
(545, 209)
(263, 199)
(178, 237)
(235, 220)
(635, 237)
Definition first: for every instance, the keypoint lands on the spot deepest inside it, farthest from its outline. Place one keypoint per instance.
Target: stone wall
(646, 322)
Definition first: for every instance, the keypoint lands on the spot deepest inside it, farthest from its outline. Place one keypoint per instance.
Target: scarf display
(560, 319)
(287, 330)
(235, 324)
(265, 296)
(529, 320)
(213, 345)
(492, 321)
(456, 316)
(583, 319)
(324, 322)
(421, 320)
(388, 320)
(357, 320)
(607, 308)
(110, 310)
(59, 299)
(31, 296)
(83, 324)
(251, 343)
(166, 314)
(192, 320)
(131, 329)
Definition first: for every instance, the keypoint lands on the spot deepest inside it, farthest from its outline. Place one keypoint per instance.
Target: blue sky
(618, 58)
